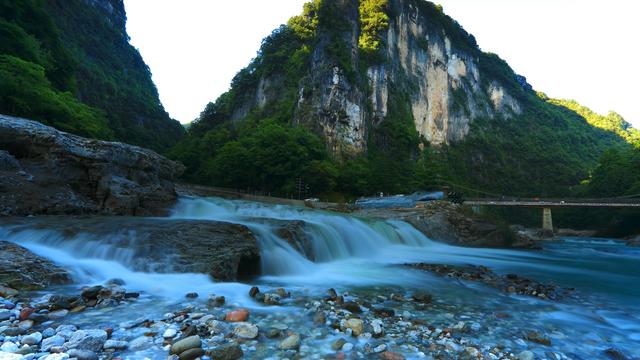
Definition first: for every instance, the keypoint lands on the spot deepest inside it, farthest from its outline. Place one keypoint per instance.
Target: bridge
(547, 204)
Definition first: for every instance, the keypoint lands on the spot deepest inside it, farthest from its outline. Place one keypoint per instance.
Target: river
(365, 258)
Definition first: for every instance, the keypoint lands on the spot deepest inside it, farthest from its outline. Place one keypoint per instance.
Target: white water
(351, 252)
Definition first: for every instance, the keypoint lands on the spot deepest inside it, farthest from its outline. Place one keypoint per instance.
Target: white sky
(586, 50)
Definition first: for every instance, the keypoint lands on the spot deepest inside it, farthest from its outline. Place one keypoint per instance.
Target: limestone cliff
(441, 79)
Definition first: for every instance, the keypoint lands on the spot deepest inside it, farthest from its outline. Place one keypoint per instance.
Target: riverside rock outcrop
(222, 250)
(23, 270)
(47, 171)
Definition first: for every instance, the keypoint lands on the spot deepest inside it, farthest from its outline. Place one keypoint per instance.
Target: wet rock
(254, 291)
(191, 354)
(526, 355)
(227, 352)
(9, 346)
(66, 331)
(615, 354)
(388, 355)
(422, 297)
(319, 318)
(32, 339)
(271, 299)
(23, 270)
(170, 333)
(91, 293)
(57, 356)
(140, 343)
(13, 331)
(337, 345)
(25, 313)
(53, 341)
(538, 338)
(237, 315)
(87, 340)
(356, 326)
(115, 345)
(6, 315)
(192, 295)
(82, 354)
(58, 314)
(290, 342)
(332, 294)
(352, 306)
(246, 330)
(216, 301)
(7, 292)
(191, 342)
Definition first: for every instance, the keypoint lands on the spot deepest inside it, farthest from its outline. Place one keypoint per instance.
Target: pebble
(140, 343)
(291, 342)
(185, 344)
(338, 344)
(32, 339)
(246, 330)
(48, 332)
(115, 345)
(58, 314)
(356, 326)
(58, 356)
(237, 315)
(170, 333)
(6, 314)
(526, 355)
(8, 346)
(10, 356)
(347, 347)
(52, 341)
(82, 354)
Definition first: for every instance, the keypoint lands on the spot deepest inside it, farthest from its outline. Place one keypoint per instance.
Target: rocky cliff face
(419, 62)
(46, 171)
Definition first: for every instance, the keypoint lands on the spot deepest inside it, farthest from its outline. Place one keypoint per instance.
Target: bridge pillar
(547, 222)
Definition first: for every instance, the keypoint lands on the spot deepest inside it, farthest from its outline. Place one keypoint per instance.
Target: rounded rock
(246, 330)
(525, 355)
(185, 344)
(290, 342)
(239, 315)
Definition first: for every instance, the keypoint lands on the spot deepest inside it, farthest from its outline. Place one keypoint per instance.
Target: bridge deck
(556, 203)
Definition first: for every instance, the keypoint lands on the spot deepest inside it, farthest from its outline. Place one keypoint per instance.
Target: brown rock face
(23, 270)
(46, 171)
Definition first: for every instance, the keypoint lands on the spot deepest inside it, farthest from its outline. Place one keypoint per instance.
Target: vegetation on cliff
(547, 149)
(69, 64)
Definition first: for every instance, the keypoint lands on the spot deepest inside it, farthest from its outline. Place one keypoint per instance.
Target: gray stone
(52, 341)
(82, 354)
(32, 339)
(526, 355)
(141, 343)
(87, 340)
(115, 345)
(245, 330)
(290, 342)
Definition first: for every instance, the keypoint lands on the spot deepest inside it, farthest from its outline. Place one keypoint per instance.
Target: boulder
(47, 171)
(23, 270)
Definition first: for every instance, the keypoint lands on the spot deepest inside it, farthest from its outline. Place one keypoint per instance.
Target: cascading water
(350, 253)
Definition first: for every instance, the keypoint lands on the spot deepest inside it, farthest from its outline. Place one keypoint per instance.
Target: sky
(587, 50)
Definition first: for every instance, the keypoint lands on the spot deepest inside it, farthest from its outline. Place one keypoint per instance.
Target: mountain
(400, 97)
(68, 63)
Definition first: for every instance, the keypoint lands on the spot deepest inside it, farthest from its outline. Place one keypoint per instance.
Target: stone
(82, 354)
(25, 313)
(10, 356)
(91, 293)
(6, 314)
(115, 345)
(170, 333)
(66, 330)
(319, 318)
(58, 314)
(140, 343)
(48, 332)
(356, 326)
(614, 354)
(191, 354)
(290, 342)
(536, 337)
(57, 356)
(380, 348)
(271, 299)
(7, 292)
(337, 345)
(9, 346)
(76, 175)
(526, 355)
(92, 340)
(422, 297)
(237, 315)
(185, 344)
(245, 330)
(192, 295)
(216, 301)
(352, 307)
(50, 342)
(388, 355)
(254, 291)
(347, 347)
(226, 352)
(32, 339)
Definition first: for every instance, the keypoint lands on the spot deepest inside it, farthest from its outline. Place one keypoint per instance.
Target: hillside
(68, 63)
(390, 95)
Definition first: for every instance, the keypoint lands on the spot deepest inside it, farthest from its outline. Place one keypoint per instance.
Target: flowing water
(366, 256)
